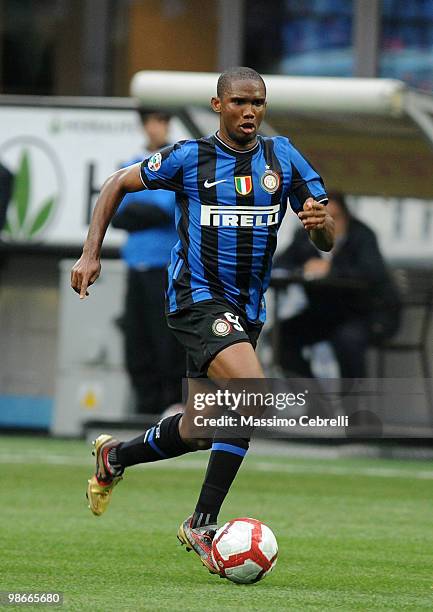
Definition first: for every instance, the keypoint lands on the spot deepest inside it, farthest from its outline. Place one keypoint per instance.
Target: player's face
(241, 109)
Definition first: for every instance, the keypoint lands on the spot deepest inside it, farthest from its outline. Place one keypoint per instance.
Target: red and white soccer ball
(244, 550)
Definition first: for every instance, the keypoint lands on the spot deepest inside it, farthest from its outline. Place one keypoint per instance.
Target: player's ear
(216, 105)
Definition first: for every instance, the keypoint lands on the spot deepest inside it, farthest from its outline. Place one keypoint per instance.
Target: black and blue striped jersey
(229, 206)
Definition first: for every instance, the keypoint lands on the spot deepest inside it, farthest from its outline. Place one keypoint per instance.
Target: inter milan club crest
(154, 162)
(243, 184)
(221, 327)
(270, 181)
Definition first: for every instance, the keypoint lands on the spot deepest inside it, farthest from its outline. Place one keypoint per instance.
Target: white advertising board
(59, 157)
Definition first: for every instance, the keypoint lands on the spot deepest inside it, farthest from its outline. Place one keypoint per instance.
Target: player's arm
(88, 267)
(318, 223)
(308, 192)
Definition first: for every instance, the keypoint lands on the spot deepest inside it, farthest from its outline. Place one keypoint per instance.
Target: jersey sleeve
(305, 182)
(164, 170)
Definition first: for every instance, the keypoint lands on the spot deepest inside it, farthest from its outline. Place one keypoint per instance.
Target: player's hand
(313, 215)
(84, 273)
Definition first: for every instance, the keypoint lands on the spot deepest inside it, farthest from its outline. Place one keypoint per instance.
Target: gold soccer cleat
(100, 486)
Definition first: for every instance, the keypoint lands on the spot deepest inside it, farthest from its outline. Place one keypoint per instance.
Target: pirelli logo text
(239, 216)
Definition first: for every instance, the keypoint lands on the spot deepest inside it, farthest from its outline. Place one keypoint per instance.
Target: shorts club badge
(221, 327)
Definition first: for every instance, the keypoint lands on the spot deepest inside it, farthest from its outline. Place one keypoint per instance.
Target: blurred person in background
(350, 319)
(155, 360)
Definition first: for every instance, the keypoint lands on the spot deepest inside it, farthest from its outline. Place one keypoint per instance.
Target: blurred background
(78, 47)
(68, 119)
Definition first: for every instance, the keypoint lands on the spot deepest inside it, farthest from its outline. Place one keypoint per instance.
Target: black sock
(159, 442)
(224, 462)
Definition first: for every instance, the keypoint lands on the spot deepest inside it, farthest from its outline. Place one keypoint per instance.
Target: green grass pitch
(353, 534)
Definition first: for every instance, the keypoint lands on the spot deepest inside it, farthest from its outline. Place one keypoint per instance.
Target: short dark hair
(238, 73)
(146, 113)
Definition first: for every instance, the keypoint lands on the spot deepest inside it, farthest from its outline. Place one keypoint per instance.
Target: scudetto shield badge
(243, 184)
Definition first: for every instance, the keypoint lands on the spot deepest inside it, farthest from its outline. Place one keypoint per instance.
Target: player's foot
(200, 541)
(101, 484)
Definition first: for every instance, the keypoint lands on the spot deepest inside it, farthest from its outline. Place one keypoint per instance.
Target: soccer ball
(244, 550)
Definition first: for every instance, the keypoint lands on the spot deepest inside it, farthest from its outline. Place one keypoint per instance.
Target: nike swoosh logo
(207, 184)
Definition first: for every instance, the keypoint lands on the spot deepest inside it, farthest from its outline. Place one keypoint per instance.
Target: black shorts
(206, 328)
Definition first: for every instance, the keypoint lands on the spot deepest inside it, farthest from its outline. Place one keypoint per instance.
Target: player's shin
(161, 441)
(225, 460)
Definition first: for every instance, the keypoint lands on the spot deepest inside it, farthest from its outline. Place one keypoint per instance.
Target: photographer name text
(273, 421)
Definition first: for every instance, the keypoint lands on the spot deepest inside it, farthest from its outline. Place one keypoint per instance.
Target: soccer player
(231, 194)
